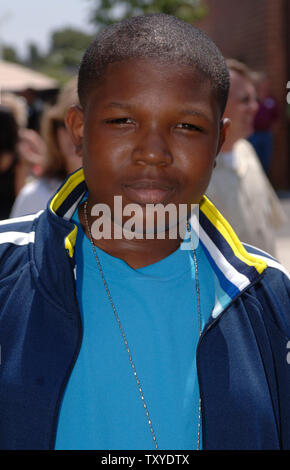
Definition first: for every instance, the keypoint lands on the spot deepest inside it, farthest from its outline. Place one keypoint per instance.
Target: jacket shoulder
(273, 291)
(275, 268)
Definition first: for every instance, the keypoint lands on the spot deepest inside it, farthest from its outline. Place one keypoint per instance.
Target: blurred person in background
(60, 158)
(21, 151)
(30, 146)
(17, 105)
(35, 108)
(8, 160)
(266, 116)
(239, 187)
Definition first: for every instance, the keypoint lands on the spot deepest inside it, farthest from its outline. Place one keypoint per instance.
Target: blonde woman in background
(239, 186)
(60, 156)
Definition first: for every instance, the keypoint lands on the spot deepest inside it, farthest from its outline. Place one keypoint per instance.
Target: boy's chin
(133, 221)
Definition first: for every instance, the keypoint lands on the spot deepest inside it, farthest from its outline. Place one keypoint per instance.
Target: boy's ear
(224, 129)
(74, 121)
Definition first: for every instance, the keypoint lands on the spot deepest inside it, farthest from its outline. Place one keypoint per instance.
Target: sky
(24, 21)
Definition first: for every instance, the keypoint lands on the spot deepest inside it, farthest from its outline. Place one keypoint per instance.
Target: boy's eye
(188, 126)
(120, 121)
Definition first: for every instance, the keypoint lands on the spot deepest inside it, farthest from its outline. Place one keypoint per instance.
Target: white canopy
(15, 77)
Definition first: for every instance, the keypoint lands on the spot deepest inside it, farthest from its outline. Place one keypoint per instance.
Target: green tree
(34, 56)
(65, 51)
(69, 38)
(67, 47)
(9, 53)
(106, 12)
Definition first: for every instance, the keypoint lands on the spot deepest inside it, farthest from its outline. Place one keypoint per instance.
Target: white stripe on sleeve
(17, 238)
(24, 218)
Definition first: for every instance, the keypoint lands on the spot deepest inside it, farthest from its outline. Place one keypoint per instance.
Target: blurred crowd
(36, 152)
(35, 161)
(239, 186)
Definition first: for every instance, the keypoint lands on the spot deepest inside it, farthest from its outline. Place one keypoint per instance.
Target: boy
(113, 342)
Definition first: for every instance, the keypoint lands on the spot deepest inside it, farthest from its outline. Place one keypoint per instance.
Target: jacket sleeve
(16, 235)
(273, 294)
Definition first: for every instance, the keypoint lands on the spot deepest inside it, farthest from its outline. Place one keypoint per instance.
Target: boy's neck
(137, 253)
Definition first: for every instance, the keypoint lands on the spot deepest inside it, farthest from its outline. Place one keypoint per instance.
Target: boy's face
(149, 133)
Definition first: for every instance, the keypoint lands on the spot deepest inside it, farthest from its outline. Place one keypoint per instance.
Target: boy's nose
(152, 149)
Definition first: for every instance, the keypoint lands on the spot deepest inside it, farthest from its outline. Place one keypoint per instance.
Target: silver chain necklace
(124, 336)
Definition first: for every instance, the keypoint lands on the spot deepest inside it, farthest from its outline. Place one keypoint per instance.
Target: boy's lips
(148, 191)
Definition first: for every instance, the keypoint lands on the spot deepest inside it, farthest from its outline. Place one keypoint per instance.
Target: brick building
(257, 32)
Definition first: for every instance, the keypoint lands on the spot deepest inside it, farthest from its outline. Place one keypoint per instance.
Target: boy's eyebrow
(192, 112)
(116, 104)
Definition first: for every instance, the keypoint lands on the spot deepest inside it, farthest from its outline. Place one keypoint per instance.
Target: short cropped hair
(159, 36)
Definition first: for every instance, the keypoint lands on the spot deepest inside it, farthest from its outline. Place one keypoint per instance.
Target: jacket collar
(234, 267)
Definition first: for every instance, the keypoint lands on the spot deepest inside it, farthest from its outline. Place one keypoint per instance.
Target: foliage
(67, 47)
(9, 53)
(69, 38)
(106, 12)
(57, 72)
(63, 57)
(34, 56)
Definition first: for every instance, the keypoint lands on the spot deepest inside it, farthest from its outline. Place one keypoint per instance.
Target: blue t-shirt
(157, 306)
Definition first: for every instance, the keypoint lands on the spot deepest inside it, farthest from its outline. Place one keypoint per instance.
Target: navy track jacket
(243, 356)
